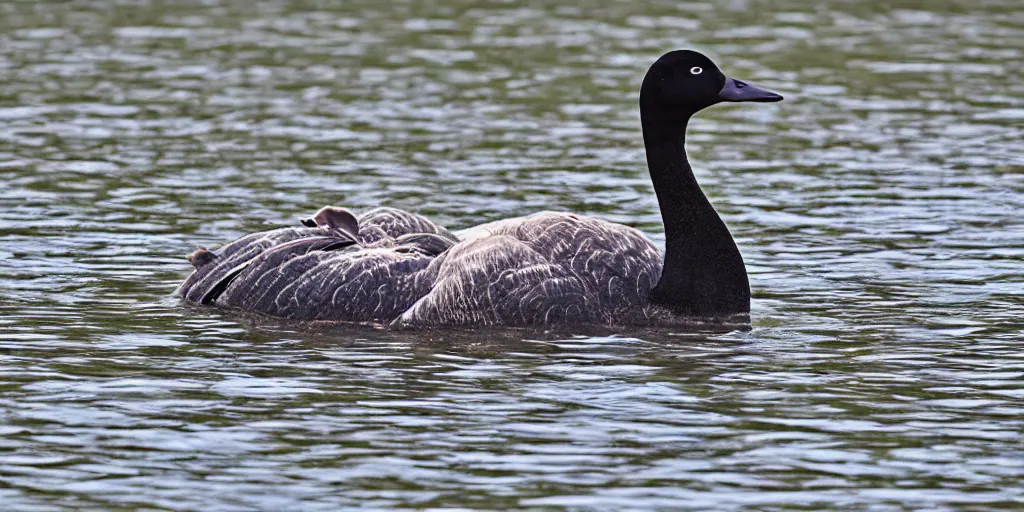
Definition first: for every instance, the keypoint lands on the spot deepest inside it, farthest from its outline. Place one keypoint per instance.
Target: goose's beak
(738, 90)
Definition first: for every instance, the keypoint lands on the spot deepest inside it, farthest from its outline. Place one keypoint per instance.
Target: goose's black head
(683, 82)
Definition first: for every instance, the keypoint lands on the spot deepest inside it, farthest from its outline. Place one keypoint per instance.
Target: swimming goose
(397, 267)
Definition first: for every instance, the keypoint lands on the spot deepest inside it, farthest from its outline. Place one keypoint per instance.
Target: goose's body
(397, 267)
(543, 269)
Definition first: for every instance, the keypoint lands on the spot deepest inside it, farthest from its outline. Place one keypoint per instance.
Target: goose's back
(547, 268)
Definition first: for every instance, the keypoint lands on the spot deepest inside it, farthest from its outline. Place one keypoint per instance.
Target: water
(878, 210)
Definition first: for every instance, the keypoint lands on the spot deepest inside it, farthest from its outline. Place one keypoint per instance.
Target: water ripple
(877, 210)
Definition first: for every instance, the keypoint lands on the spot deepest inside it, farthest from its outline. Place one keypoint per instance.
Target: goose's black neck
(704, 273)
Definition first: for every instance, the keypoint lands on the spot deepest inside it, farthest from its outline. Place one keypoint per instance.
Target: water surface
(878, 210)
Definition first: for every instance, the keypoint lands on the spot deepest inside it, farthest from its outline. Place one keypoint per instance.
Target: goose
(398, 268)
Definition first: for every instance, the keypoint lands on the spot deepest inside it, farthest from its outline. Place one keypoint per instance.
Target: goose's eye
(696, 70)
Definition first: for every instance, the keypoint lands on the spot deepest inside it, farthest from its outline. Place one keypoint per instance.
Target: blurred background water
(878, 210)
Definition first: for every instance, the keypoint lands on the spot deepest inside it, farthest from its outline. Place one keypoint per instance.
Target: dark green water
(878, 210)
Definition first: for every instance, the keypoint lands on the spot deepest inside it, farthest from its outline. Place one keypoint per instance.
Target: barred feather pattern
(286, 273)
(545, 269)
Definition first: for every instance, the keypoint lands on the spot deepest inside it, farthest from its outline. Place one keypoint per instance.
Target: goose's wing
(212, 269)
(352, 284)
(321, 274)
(543, 269)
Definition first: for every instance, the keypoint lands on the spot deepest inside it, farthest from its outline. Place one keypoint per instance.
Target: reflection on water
(878, 210)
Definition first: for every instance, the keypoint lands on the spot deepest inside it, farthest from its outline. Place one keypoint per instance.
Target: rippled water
(878, 209)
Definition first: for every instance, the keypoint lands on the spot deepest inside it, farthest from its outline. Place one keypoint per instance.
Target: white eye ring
(696, 70)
